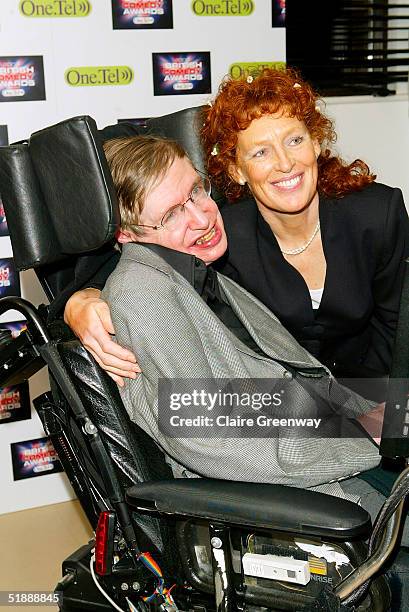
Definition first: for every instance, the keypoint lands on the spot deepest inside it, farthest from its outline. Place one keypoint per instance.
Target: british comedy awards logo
(142, 14)
(278, 13)
(21, 78)
(222, 8)
(93, 76)
(181, 73)
(55, 8)
(34, 458)
(9, 278)
(15, 403)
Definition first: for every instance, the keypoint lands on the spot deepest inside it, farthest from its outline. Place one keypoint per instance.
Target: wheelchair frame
(230, 592)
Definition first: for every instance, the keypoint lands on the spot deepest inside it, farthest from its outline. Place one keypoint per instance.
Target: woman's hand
(89, 318)
(372, 421)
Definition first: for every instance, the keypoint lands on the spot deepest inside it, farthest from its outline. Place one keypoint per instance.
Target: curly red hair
(239, 101)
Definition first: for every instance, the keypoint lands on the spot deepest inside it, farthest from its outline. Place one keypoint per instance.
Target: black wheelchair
(162, 543)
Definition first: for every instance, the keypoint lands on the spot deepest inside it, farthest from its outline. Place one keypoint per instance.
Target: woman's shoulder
(375, 194)
(376, 202)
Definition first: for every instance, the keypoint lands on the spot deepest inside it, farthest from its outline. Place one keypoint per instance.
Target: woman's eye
(259, 153)
(296, 140)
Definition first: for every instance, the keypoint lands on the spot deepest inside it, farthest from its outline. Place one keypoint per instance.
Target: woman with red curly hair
(316, 239)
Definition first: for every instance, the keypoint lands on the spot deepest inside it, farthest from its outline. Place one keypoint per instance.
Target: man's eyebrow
(194, 184)
(197, 181)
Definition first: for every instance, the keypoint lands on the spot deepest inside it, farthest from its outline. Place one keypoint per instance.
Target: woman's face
(277, 157)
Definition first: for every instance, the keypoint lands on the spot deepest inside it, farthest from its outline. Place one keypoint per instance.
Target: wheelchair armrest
(254, 505)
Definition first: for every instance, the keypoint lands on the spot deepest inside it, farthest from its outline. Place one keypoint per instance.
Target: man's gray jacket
(159, 316)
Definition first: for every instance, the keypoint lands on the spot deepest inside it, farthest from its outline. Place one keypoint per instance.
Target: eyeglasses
(172, 217)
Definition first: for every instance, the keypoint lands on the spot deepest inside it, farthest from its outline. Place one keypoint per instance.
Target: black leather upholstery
(58, 193)
(256, 505)
(134, 454)
(76, 183)
(34, 241)
(184, 127)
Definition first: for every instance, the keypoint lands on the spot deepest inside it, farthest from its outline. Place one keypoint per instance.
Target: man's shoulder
(142, 272)
(138, 270)
(139, 255)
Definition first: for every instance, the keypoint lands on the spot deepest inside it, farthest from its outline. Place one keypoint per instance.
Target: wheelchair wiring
(144, 558)
(150, 563)
(99, 587)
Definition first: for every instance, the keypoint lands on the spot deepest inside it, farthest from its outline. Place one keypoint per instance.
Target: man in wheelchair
(271, 547)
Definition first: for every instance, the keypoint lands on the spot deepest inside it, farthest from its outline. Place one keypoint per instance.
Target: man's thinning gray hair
(138, 164)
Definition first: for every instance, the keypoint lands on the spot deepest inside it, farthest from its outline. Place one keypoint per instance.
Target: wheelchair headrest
(57, 189)
(58, 193)
(184, 127)
(34, 242)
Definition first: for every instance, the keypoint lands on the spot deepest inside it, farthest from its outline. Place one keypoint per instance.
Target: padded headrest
(76, 183)
(184, 127)
(33, 239)
(58, 193)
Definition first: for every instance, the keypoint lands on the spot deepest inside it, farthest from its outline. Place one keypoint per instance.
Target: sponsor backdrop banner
(142, 15)
(114, 60)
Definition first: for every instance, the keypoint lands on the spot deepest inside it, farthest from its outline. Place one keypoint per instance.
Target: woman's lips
(210, 239)
(289, 184)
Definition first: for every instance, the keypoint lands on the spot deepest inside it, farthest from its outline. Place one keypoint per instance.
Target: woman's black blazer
(365, 238)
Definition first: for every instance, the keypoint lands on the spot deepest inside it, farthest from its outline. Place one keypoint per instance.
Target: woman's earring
(242, 182)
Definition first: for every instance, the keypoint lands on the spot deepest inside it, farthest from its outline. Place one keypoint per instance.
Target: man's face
(199, 228)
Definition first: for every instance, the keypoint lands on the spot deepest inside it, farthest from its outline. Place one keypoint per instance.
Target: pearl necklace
(305, 246)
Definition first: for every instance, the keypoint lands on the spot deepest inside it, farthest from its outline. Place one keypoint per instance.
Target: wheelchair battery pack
(276, 567)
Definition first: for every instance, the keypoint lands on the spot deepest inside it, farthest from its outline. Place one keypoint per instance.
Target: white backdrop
(87, 39)
(376, 130)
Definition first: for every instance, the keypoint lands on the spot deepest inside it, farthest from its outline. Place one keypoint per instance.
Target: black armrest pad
(256, 505)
